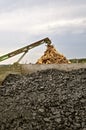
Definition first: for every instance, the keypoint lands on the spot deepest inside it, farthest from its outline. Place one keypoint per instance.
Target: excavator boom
(25, 49)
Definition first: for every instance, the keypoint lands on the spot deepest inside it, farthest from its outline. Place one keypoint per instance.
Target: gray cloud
(7, 5)
(64, 21)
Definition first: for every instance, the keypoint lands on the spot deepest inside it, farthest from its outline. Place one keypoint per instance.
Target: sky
(23, 22)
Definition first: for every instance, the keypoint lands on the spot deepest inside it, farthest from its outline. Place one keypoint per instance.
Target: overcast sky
(25, 21)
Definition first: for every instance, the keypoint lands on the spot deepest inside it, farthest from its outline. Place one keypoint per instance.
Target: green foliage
(82, 60)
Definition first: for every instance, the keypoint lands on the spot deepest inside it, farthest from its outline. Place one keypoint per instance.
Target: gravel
(46, 100)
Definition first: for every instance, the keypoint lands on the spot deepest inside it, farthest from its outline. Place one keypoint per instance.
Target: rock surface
(46, 100)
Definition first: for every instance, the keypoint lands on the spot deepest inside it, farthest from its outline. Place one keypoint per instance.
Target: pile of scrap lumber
(52, 56)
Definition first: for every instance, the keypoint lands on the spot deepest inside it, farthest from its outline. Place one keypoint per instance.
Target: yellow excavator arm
(25, 49)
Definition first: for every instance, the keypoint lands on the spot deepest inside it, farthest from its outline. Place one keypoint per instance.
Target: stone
(60, 105)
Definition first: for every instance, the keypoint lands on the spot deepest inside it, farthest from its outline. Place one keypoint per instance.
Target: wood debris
(52, 56)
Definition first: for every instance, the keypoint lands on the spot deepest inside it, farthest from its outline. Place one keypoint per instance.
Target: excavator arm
(25, 49)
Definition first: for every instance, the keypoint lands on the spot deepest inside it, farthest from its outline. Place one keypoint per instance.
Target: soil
(50, 99)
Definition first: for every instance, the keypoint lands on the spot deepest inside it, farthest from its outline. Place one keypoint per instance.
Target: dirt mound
(45, 100)
(51, 56)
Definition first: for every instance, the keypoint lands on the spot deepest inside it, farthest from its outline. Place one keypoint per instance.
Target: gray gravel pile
(45, 100)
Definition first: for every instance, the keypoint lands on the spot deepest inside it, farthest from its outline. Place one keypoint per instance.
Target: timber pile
(52, 56)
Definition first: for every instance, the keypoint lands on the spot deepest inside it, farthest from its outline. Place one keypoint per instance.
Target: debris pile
(45, 100)
(51, 56)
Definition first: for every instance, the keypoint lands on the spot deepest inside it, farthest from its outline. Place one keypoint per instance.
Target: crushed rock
(46, 100)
